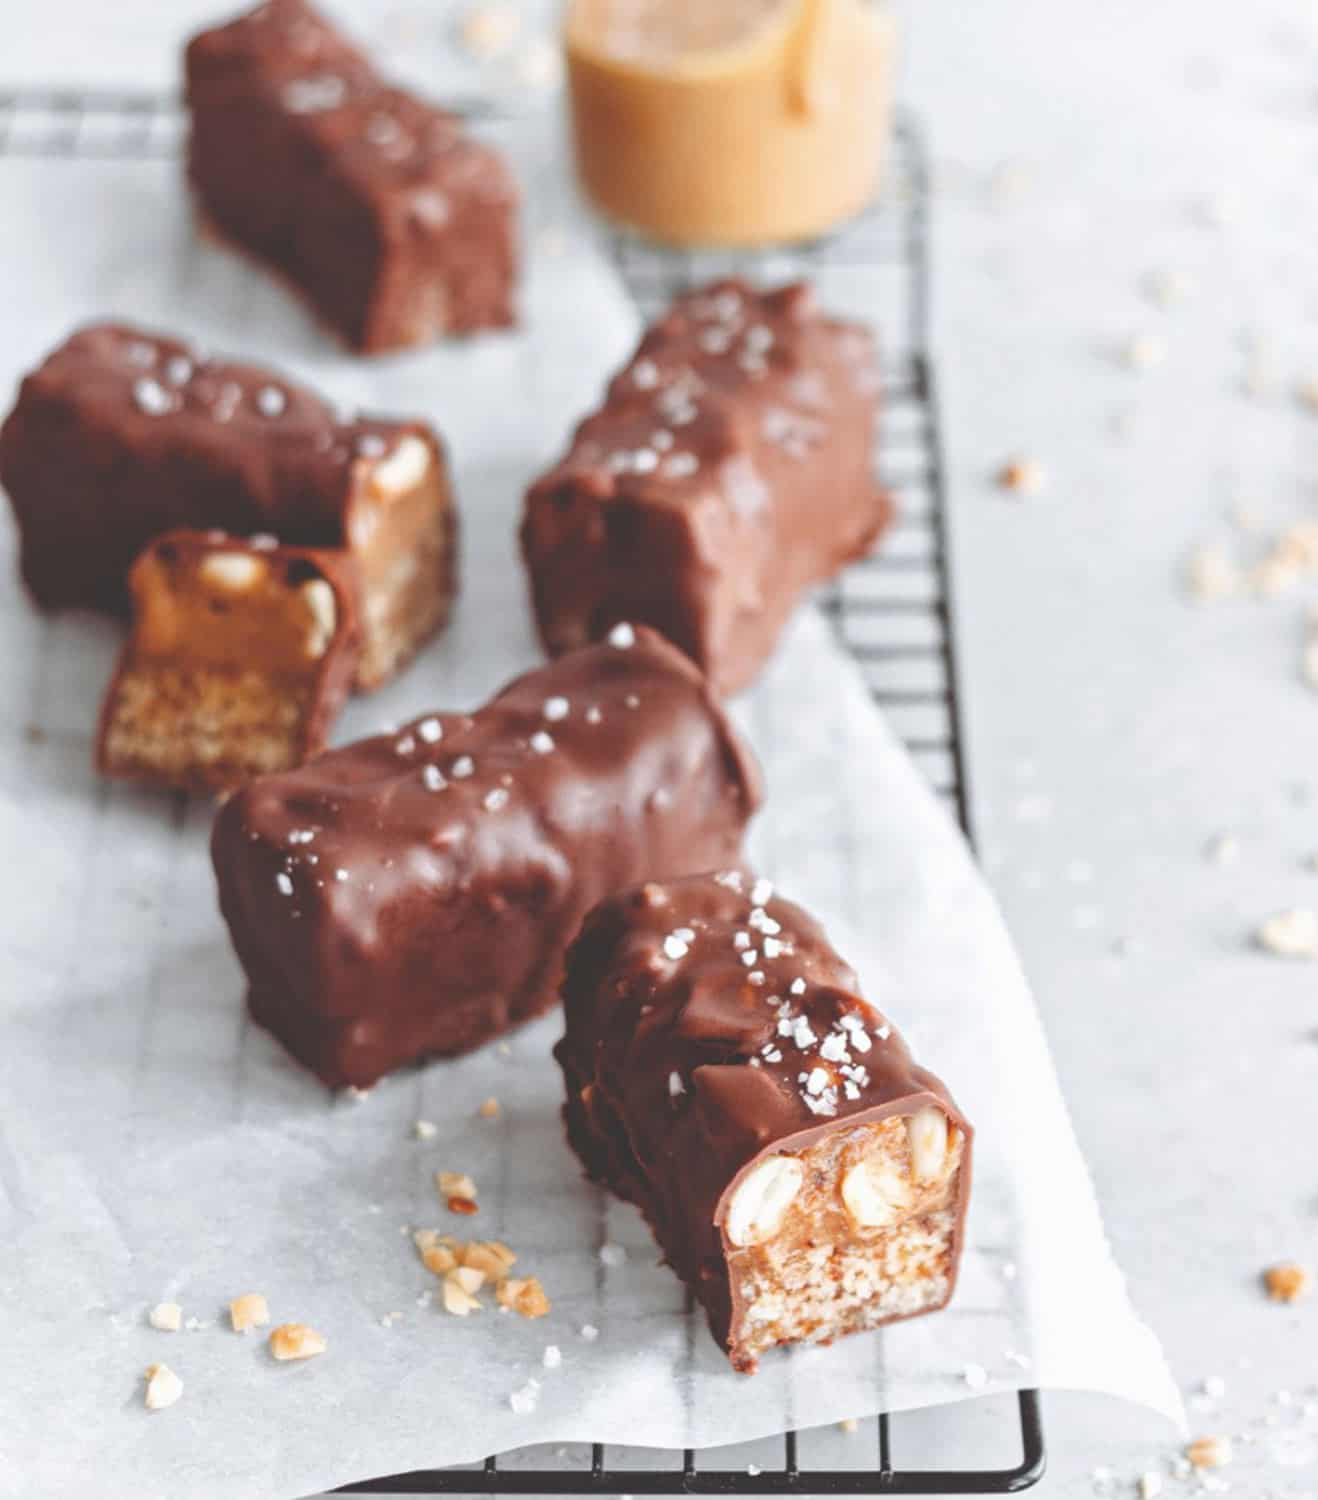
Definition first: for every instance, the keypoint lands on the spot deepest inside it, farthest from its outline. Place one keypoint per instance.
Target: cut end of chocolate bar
(403, 527)
(853, 1232)
(239, 658)
(801, 1173)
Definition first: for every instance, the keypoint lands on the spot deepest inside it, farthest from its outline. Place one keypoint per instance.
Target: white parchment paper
(154, 1145)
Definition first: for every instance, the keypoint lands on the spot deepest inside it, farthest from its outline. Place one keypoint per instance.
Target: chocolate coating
(685, 1063)
(730, 468)
(412, 895)
(121, 435)
(395, 225)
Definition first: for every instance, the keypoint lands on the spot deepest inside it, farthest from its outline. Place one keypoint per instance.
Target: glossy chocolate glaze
(412, 895)
(122, 434)
(394, 224)
(695, 1017)
(730, 468)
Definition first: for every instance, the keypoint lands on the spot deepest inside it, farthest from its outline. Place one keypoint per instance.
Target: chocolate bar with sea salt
(411, 896)
(394, 224)
(239, 659)
(801, 1173)
(121, 435)
(730, 468)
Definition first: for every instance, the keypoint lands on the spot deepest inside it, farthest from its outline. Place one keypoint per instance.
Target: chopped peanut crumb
(525, 1296)
(163, 1387)
(249, 1311)
(1209, 1452)
(1023, 476)
(439, 1259)
(466, 1206)
(296, 1341)
(490, 1256)
(1288, 1281)
(455, 1185)
(848, 1424)
(458, 1299)
(490, 1109)
(166, 1316)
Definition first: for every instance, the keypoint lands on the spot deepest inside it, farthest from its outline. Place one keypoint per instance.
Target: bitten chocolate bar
(122, 435)
(730, 468)
(393, 224)
(238, 662)
(412, 896)
(800, 1172)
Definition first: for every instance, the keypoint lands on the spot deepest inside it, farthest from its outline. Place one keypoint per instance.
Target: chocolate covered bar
(412, 896)
(120, 436)
(240, 657)
(800, 1172)
(730, 467)
(393, 224)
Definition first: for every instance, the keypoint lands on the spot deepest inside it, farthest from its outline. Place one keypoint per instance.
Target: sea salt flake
(797, 987)
(675, 1085)
(817, 1080)
(463, 767)
(311, 96)
(433, 778)
(495, 799)
(430, 730)
(622, 637)
(761, 892)
(542, 743)
(283, 884)
(271, 401)
(555, 709)
(674, 947)
(151, 397)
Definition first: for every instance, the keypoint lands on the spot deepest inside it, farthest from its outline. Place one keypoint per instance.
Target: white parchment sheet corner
(154, 1145)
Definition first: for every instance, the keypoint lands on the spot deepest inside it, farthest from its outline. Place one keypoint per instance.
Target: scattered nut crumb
(524, 1401)
(425, 1130)
(1223, 849)
(1288, 1281)
(166, 1316)
(1023, 476)
(463, 1206)
(455, 1185)
(1209, 1452)
(296, 1341)
(1212, 574)
(1145, 351)
(1168, 286)
(439, 1259)
(524, 1296)
(848, 1424)
(1290, 934)
(489, 29)
(489, 1110)
(460, 1288)
(492, 1257)
(163, 1387)
(249, 1311)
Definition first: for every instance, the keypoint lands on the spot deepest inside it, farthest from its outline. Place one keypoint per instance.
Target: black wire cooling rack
(892, 611)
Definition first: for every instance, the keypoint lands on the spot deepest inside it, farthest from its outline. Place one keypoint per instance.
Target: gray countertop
(1127, 293)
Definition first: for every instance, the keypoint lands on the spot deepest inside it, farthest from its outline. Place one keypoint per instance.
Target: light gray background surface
(1114, 726)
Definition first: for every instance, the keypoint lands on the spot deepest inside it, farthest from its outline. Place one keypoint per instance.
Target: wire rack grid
(892, 611)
